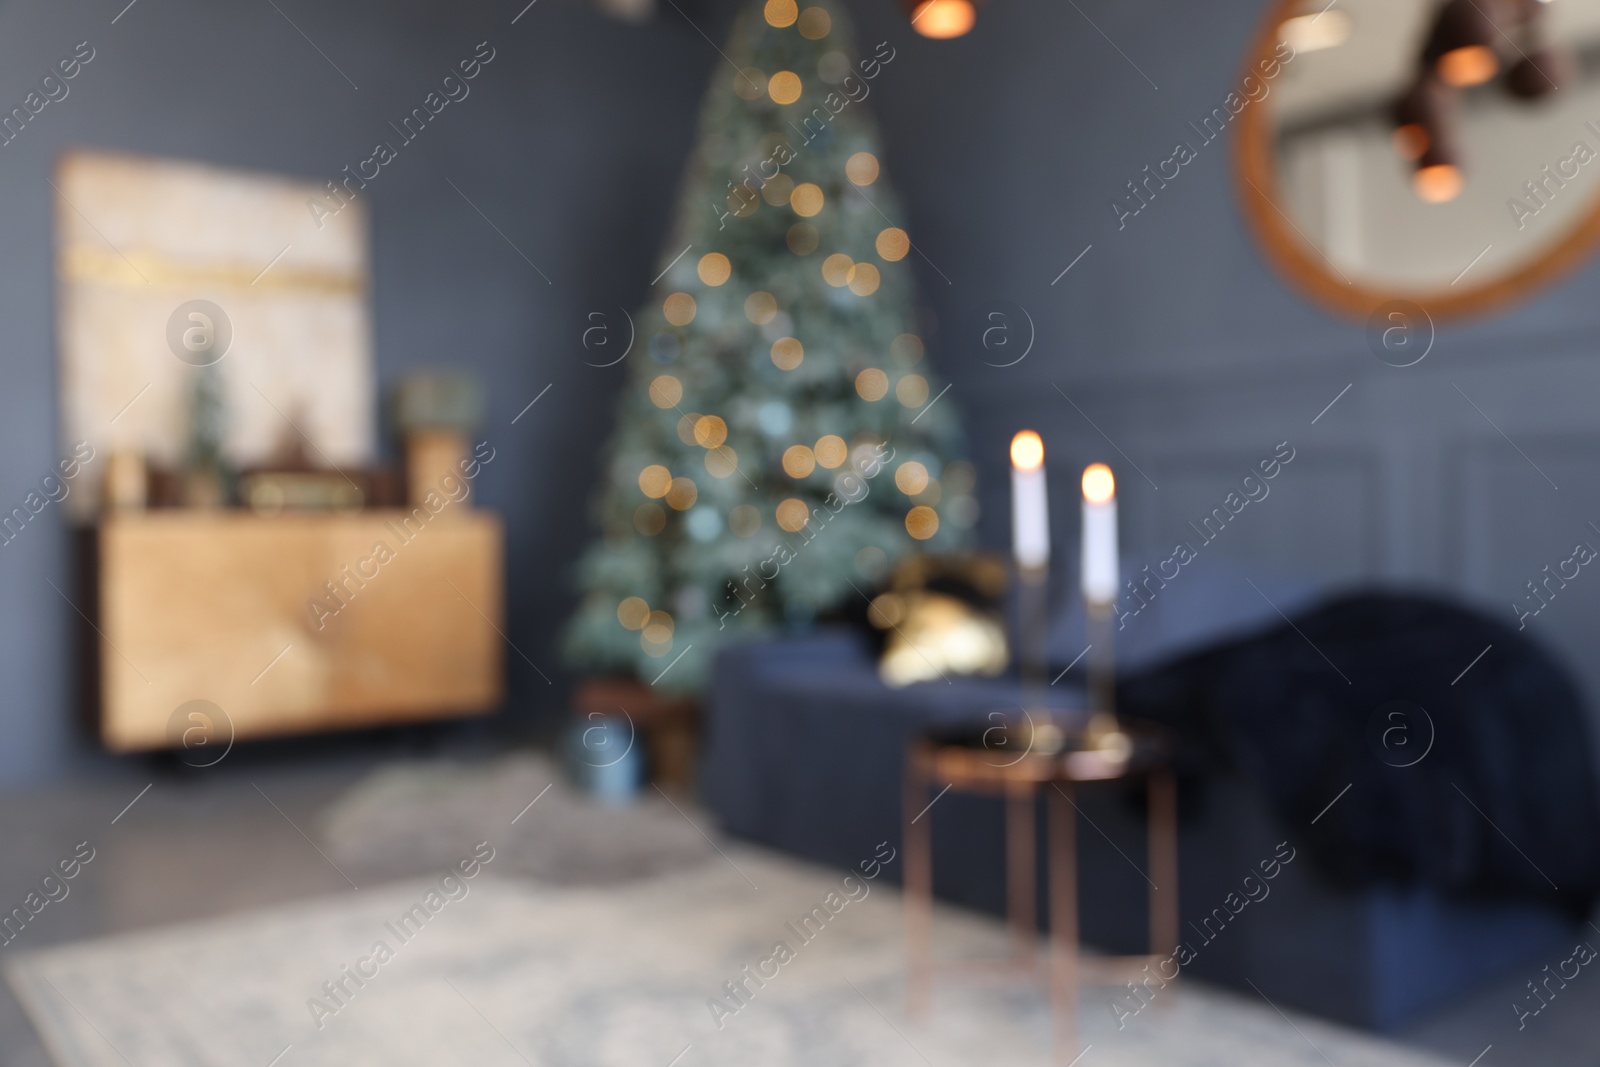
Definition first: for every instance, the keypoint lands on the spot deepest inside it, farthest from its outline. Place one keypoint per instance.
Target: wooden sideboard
(222, 606)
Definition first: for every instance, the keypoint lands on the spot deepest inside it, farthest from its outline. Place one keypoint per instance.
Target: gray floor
(196, 844)
(199, 844)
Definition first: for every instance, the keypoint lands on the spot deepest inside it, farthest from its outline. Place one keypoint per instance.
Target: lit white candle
(1030, 512)
(1100, 565)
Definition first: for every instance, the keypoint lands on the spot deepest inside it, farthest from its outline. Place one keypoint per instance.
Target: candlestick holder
(1033, 636)
(1045, 730)
(1103, 732)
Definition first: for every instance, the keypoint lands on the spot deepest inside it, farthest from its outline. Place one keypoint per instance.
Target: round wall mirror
(1445, 152)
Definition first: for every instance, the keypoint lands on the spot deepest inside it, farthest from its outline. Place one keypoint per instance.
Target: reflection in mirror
(1444, 149)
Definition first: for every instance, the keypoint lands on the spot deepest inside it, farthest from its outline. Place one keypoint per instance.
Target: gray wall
(571, 141)
(1177, 339)
(1172, 335)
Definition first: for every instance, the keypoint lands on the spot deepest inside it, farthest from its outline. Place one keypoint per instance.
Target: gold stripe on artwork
(89, 263)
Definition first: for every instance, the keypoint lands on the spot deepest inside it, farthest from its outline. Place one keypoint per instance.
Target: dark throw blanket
(1504, 802)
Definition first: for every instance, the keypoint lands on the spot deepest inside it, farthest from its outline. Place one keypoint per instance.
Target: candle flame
(1027, 451)
(1098, 484)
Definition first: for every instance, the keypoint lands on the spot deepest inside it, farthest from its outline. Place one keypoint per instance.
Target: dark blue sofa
(805, 748)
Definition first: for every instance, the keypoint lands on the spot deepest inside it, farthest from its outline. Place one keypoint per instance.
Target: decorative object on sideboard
(435, 413)
(290, 481)
(207, 473)
(273, 492)
(126, 486)
(432, 456)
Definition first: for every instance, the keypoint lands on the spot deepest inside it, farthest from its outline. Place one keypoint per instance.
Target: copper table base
(977, 770)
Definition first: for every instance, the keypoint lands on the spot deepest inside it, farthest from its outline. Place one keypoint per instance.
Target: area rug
(409, 818)
(506, 972)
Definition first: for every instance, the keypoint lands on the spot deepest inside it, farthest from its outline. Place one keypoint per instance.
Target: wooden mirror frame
(1311, 272)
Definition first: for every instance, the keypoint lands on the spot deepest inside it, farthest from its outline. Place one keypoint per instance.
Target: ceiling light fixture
(1461, 47)
(1458, 53)
(1438, 178)
(942, 19)
(1469, 65)
(1315, 32)
(1541, 72)
(1438, 183)
(1417, 116)
(1543, 68)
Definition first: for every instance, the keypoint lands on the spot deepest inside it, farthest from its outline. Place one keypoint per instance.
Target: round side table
(967, 764)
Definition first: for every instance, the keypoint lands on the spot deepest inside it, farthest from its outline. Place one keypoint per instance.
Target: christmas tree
(781, 442)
